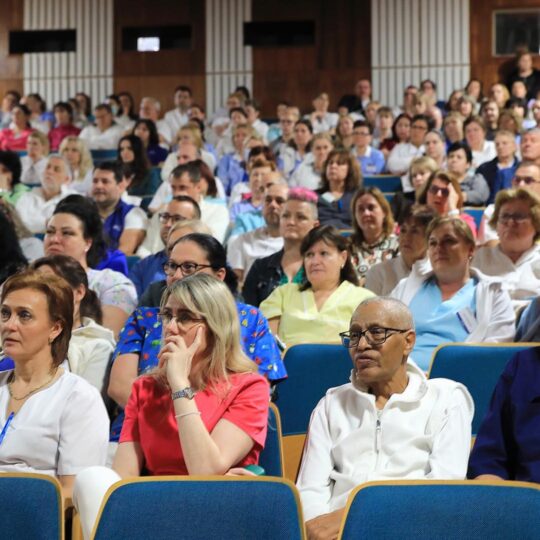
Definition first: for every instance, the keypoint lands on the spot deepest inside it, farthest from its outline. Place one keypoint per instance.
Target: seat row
(200, 508)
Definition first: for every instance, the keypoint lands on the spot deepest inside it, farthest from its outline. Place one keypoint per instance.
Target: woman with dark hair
(401, 132)
(84, 101)
(54, 422)
(126, 115)
(373, 239)
(40, 118)
(135, 164)
(297, 149)
(63, 114)
(15, 137)
(139, 342)
(11, 187)
(320, 308)
(340, 178)
(76, 230)
(474, 187)
(146, 131)
(13, 259)
(91, 344)
(475, 132)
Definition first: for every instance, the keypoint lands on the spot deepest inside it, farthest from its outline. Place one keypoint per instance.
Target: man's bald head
(396, 312)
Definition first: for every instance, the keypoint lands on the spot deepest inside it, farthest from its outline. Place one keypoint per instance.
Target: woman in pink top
(14, 138)
(203, 411)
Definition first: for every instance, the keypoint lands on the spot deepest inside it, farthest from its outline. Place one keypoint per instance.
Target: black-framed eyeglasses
(518, 218)
(165, 217)
(187, 268)
(182, 317)
(376, 335)
(527, 180)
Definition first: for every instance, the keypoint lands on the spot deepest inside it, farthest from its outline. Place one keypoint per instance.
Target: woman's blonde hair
(194, 225)
(423, 163)
(195, 133)
(43, 140)
(86, 163)
(209, 298)
(518, 194)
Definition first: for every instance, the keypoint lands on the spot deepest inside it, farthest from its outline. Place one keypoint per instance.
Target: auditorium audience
(455, 302)
(344, 132)
(516, 258)
(39, 397)
(383, 277)
(388, 423)
(13, 258)
(340, 179)
(318, 309)
(91, 345)
(298, 217)
(76, 230)
(135, 165)
(373, 239)
(321, 119)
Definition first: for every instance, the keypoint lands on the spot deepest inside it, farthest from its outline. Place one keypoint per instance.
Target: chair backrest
(312, 370)
(98, 156)
(386, 183)
(476, 214)
(271, 458)
(427, 510)
(32, 507)
(201, 508)
(477, 366)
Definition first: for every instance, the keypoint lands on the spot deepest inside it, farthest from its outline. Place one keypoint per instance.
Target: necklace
(10, 382)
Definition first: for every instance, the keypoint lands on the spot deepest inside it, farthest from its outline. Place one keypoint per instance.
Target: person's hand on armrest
(325, 527)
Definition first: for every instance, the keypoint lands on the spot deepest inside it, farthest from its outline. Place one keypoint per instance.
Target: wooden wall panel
(11, 66)
(484, 65)
(157, 74)
(341, 54)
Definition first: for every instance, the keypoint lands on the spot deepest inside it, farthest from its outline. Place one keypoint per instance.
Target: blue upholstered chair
(477, 366)
(425, 510)
(312, 370)
(201, 508)
(32, 507)
(271, 458)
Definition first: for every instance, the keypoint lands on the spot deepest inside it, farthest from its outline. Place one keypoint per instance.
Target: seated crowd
(147, 297)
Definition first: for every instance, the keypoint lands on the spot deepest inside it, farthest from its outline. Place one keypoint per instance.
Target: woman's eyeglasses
(182, 317)
(516, 218)
(187, 268)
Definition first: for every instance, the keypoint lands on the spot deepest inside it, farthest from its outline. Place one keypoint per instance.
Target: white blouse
(59, 430)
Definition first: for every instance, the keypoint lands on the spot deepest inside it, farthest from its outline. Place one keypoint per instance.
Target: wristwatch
(187, 392)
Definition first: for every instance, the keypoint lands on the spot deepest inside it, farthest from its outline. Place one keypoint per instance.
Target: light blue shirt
(440, 322)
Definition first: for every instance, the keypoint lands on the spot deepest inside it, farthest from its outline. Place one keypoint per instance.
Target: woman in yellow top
(318, 310)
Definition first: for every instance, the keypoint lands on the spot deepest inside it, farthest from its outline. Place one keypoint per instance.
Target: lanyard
(5, 428)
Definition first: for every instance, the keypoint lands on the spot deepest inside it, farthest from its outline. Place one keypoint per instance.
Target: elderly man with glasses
(388, 423)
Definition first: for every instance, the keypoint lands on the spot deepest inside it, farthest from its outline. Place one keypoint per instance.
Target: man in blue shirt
(150, 268)
(508, 443)
(370, 160)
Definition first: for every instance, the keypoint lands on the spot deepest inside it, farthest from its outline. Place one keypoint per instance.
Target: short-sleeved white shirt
(59, 431)
(136, 219)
